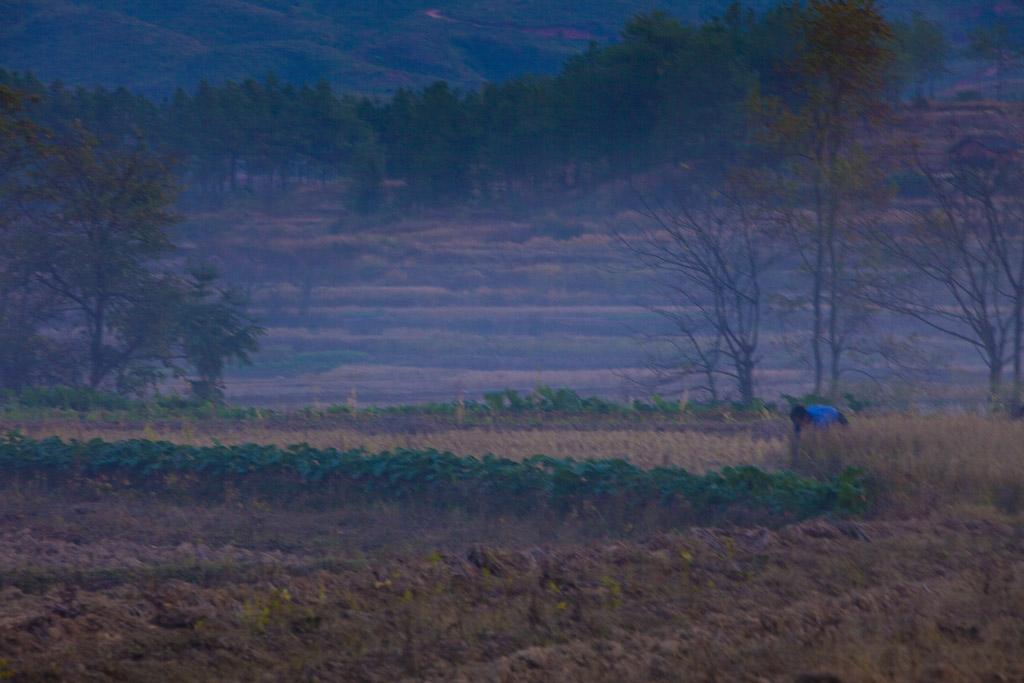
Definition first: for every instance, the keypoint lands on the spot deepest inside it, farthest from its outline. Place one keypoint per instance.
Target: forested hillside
(357, 47)
(667, 92)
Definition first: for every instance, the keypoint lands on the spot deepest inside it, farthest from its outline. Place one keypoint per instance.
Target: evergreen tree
(214, 329)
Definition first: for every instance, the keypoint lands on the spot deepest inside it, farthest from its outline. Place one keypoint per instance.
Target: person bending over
(819, 416)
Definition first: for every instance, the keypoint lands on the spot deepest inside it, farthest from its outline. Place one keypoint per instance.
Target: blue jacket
(823, 416)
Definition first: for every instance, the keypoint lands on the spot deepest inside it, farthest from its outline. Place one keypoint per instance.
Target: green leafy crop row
(109, 406)
(449, 479)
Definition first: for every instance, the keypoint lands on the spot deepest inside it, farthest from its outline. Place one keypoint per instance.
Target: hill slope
(357, 46)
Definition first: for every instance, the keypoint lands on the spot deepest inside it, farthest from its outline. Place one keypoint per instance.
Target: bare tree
(709, 255)
(960, 266)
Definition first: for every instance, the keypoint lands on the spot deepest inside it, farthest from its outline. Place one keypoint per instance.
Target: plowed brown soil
(121, 586)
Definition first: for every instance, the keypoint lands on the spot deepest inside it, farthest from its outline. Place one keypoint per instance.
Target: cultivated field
(106, 577)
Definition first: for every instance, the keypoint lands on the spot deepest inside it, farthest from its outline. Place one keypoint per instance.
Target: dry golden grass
(928, 463)
(696, 451)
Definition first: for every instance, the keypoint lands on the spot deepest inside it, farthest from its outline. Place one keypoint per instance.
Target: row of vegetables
(444, 477)
(95, 405)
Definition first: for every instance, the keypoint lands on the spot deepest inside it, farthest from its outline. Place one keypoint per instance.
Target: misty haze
(511, 342)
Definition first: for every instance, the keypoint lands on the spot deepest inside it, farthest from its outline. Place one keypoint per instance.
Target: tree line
(665, 92)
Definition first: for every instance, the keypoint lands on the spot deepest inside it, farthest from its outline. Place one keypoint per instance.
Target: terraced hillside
(426, 309)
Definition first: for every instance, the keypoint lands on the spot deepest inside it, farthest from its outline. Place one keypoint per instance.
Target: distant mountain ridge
(359, 47)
